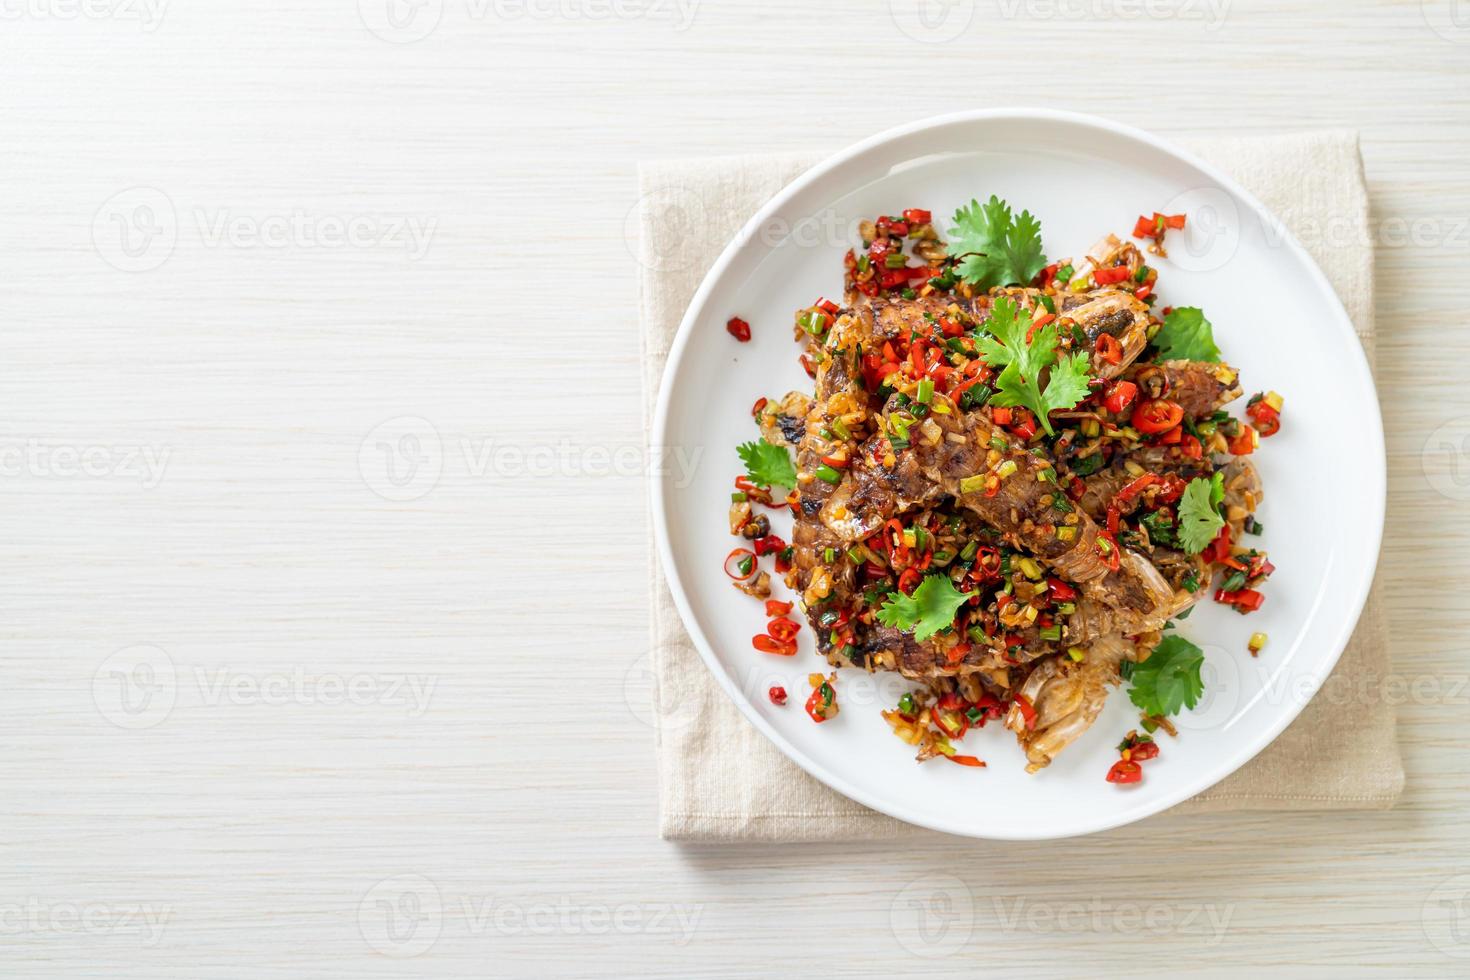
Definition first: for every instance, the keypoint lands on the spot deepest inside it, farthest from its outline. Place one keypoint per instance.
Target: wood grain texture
(277, 803)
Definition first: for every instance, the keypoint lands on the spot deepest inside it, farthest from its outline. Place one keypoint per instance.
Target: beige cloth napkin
(721, 780)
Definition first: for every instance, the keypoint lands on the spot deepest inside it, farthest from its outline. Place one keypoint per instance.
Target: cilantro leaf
(1169, 679)
(766, 464)
(1186, 336)
(1019, 383)
(930, 609)
(1199, 514)
(993, 248)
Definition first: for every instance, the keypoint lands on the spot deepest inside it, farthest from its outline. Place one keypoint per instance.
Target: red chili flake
(738, 329)
(1124, 771)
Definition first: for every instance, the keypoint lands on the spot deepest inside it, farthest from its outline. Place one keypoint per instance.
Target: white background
(275, 702)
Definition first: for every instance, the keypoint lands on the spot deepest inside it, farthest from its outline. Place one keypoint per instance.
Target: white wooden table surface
(322, 593)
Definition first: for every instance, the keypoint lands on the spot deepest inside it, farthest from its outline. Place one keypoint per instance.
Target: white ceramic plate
(1275, 317)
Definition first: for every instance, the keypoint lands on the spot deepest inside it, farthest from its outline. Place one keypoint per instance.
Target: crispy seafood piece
(839, 405)
(1181, 570)
(817, 581)
(871, 493)
(1066, 697)
(1119, 314)
(960, 451)
(1115, 312)
(1198, 387)
(1134, 599)
(785, 423)
(1243, 493)
(887, 316)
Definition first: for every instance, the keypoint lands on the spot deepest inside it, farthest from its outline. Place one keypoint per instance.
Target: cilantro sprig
(1024, 361)
(766, 464)
(1186, 336)
(1169, 679)
(1199, 512)
(993, 248)
(930, 609)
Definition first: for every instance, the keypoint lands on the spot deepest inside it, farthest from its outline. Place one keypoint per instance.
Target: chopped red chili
(1107, 277)
(769, 644)
(1243, 600)
(909, 580)
(1108, 348)
(1143, 751)
(1124, 771)
(744, 566)
(1028, 713)
(782, 629)
(770, 544)
(1119, 396)
(1218, 550)
(1266, 418)
(777, 694)
(1243, 444)
(738, 329)
(1157, 415)
(1060, 591)
(823, 699)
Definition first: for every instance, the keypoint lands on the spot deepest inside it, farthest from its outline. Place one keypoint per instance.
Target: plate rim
(696, 310)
